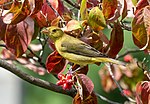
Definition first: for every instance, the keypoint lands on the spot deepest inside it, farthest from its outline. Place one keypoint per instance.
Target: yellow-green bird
(75, 50)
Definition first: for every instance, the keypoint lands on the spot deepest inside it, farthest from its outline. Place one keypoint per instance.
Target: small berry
(127, 92)
(70, 82)
(69, 76)
(128, 58)
(61, 76)
(60, 82)
(65, 86)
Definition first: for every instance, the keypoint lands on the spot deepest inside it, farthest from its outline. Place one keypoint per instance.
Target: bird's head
(53, 32)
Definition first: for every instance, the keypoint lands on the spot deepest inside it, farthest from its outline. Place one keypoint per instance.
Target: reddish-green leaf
(109, 8)
(91, 99)
(55, 63)
(141, 28)
(73, 25)
(35, 6)
(90, 3)
(17, 14)
(86, 86)
(116, 40)
(96, 19)
(18, 37)
(83, 10)
(143, 92)
(124, 12)
(141, 4)
(47, 15)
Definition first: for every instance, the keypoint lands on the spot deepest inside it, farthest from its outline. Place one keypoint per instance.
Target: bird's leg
(80, 67)
(70, 69)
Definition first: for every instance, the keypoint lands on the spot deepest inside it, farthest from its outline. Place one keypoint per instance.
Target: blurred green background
(36, 95)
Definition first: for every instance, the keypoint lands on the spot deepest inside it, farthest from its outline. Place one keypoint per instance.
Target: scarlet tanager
(75, 50)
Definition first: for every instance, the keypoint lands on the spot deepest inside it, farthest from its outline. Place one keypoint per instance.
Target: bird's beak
(45, 31)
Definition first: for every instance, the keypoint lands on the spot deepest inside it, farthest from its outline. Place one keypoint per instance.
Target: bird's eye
(54, 30)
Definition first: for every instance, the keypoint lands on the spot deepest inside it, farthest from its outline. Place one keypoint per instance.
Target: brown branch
(129, 51)
(125, 27)
(72, 4)
(35, 81)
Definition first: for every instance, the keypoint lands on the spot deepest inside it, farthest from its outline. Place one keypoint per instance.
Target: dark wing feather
(81, 49)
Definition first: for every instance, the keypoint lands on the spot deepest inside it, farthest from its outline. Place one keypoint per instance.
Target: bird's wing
(80, 48)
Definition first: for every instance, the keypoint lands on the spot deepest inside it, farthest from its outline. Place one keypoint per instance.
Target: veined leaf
(96, 19)
(83, 10)
(18, 37)
(141, 28)
(116, 41)
(55, 63)
(17, 14)
(109, 8)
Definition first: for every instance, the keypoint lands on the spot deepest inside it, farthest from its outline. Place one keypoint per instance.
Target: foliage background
(36, 95)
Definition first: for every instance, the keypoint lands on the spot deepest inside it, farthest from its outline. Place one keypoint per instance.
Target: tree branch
(129, 51)
(36, 81)
(73, 4)
(105, 99)
(118, 85)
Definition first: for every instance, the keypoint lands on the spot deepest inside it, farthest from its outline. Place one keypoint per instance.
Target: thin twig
(39, 58)
(105, 99)
(36, 81)
(3, 45)
(125, 27)
(43, 44)
(119, 87)
(144, 69)
(129, 51)
(57, 14)
(72, 4)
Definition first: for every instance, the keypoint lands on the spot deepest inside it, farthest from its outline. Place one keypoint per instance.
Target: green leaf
(96, 19)
(83, 10)
(134, 2)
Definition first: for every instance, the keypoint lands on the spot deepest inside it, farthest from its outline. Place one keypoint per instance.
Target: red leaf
(143, 89)
(116, 41)
(18, 37)
(47, 15)
(86, 85)
(55, 63)
(17, 14)
(109, 8)
(2, 29)
(6, 54)
(141, 4)
(145, 93)
(91, 99)
(35, 6)
(140, 28)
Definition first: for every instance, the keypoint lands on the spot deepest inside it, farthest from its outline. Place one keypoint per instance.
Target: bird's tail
(110, 60)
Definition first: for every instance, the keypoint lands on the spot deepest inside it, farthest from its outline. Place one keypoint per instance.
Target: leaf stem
(105, 99)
